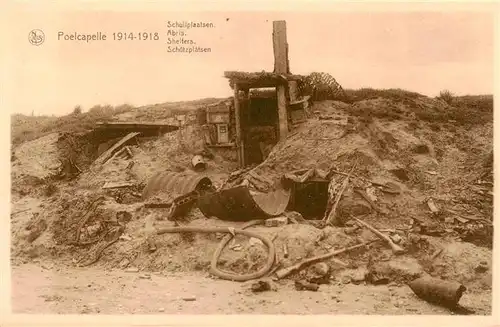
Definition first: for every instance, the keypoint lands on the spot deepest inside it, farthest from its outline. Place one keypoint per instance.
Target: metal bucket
(198, 163)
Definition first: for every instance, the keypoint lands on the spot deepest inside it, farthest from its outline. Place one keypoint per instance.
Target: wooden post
(237, 117)
(245, 116)
(280, 48)
(282, 112)
(293, 90)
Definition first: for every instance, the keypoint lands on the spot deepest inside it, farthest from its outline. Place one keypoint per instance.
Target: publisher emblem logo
(36, 37)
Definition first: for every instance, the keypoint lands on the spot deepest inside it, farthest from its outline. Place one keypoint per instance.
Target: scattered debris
(300, 176)
(319, 273)
(438, 291)
(432, 206)
(370, 193)
(258, 180)
(285, 251)
(396, 249)
(465, 218)
(359, 276)
(351, 230)
(255, 241)
(113, 185)
(20, 211)
(232, 232)
(335, 119)
(125, 237)
(436, 254)
(365, 196)
(431, 229)
(390, 188)
(124, 263)
(449, 220)
(158, 205)
(261, 286)
(36, 227)
(282, 273)
(375, 278)
(400, 269)
(236, 247)
(396, 238)
(189, 298)
(276, 222)
(103, 158)
(330, 218)
(124, 153)
(182, 204)
(482, 267)
(151, 244)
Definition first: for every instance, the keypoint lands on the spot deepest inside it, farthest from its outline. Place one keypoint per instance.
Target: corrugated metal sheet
(177, 183)
(238, 204)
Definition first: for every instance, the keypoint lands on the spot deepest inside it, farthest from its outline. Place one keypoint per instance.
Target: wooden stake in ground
(331, 216)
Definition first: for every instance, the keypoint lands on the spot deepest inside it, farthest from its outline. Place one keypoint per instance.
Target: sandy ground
(62, 290)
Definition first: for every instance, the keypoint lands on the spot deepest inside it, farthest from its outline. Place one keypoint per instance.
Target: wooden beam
(237, 117)
(280, 47)
(115, 148)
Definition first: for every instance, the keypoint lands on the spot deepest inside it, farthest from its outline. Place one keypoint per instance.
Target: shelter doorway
(260, 124)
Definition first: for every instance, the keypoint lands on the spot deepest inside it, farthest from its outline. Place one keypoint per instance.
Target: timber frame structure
(281, 79)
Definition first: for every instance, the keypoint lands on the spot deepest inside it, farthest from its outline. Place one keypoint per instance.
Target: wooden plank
(129, 152)
(110, 185)
(117, 153)
(111, 151)
(222, 145)
(134, 124)
(237, 116)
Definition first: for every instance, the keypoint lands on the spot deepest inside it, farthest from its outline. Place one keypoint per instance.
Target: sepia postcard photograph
(303, 160)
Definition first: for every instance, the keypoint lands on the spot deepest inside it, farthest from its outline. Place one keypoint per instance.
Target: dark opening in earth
(310, 199)
(401, 173)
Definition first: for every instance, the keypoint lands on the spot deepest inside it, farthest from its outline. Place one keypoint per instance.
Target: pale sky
(419, 51)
